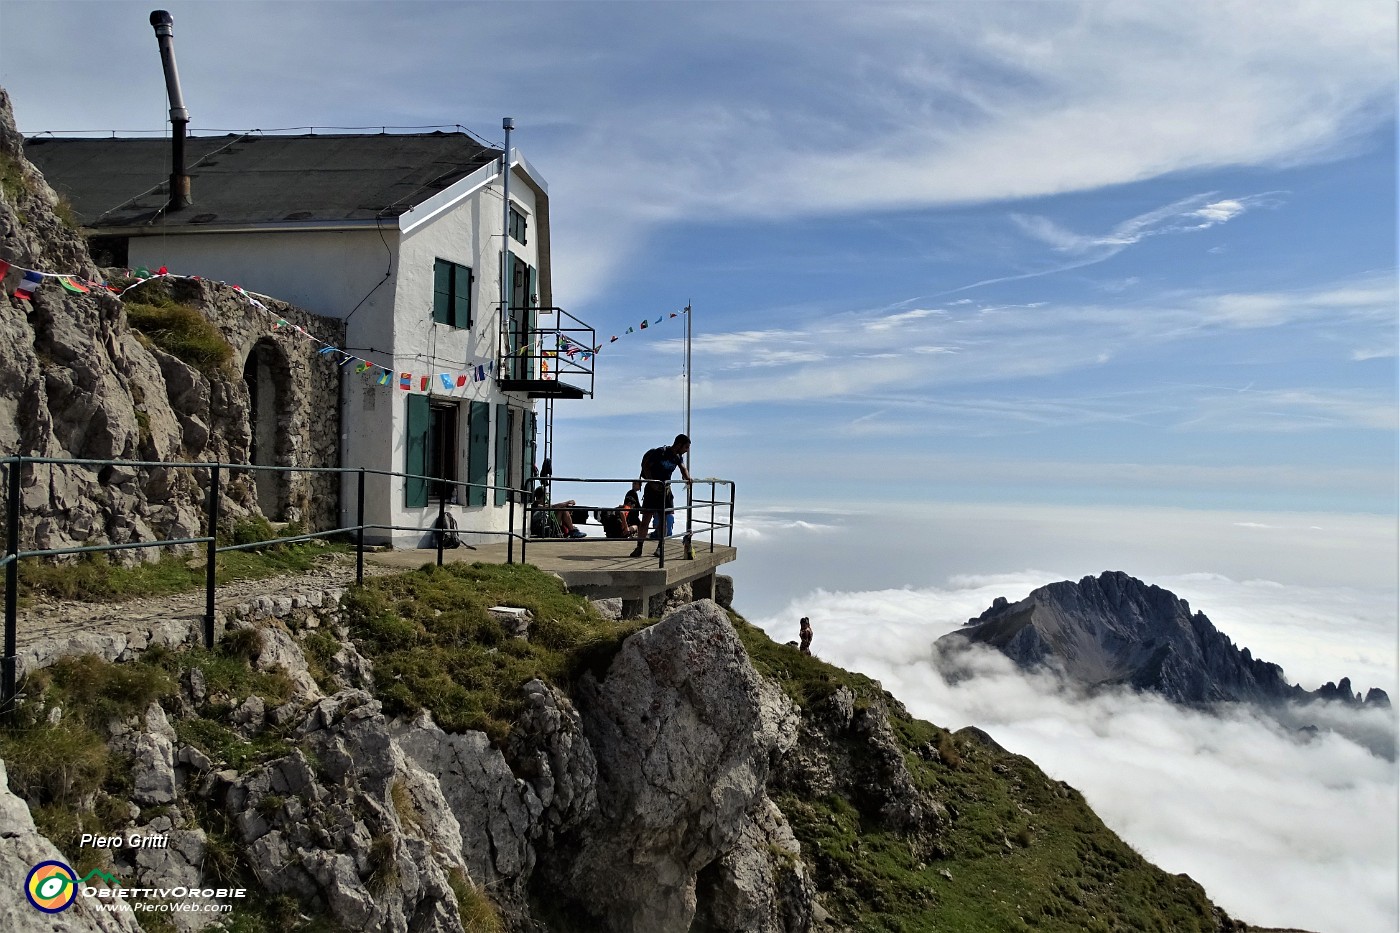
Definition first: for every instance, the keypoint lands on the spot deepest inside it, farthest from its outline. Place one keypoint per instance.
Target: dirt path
(47, 618)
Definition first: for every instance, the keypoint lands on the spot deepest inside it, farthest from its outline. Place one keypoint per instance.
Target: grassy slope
(1023, 851)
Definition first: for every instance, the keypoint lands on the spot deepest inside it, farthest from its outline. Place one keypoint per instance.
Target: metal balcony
(546, 353)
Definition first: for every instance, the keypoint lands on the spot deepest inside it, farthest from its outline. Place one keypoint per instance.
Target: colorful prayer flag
(461, 379)
(4, 268)
(405, 380)
(26, 288)
(446, 381)
(422, 383)
(614, 340)
(72, 285)
(384, 377)
(644, 325)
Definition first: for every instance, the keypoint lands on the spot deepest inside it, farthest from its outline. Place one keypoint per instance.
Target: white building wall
(470, 235)
(335, 273)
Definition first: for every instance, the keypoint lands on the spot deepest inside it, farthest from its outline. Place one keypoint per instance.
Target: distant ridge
(1115, 630)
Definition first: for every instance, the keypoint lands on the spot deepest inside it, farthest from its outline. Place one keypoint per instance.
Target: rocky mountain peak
(1116, 630)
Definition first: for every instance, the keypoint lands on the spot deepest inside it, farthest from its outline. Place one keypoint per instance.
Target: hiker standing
(657, 466)
(805, 631)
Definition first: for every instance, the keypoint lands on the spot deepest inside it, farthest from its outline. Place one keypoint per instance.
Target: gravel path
(47, 618)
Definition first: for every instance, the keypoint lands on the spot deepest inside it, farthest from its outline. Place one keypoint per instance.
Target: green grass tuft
(180, 330)
(435, 647)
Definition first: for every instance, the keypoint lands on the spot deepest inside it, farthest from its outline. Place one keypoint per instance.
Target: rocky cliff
(1115, 630)
(78, 380)
(692, 775)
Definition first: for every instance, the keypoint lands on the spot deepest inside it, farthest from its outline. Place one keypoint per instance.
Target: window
(431, 449)
(478, 452)
(452, 294)
(518, 225)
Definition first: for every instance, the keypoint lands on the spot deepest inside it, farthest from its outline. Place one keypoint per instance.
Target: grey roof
(237, 180)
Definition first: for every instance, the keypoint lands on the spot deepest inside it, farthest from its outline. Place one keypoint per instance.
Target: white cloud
(1187, 215)
(836, 110)
(915, 358)
(1280, 831)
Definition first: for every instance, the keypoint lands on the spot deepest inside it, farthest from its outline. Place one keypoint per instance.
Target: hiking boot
(637, 551)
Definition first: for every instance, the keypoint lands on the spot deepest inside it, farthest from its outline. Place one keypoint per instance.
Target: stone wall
(78, 381)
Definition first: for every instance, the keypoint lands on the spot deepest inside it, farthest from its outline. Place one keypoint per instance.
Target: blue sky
(1126, 254)
(986, 295)
(1142, 254)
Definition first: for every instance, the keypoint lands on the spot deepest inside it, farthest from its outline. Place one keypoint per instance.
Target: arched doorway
(268, 377)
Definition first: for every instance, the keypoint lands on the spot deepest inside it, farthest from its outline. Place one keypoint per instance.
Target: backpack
(445, 532)
(652, 462)
(544, 524)
(612, 522)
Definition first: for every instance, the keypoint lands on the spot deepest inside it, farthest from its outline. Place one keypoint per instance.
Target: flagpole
(686, 544)
(687, 376)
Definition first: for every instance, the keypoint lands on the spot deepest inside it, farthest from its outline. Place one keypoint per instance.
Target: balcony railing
(546, 353)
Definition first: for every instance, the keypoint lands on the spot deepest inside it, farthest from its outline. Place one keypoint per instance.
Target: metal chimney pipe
(507, 124)
(179, 116)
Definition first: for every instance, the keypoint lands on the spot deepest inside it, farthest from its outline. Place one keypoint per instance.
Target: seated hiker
(553, 520)
(632, 511)
(625, 521)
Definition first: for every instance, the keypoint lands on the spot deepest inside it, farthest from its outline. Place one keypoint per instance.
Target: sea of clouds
(1282, 830)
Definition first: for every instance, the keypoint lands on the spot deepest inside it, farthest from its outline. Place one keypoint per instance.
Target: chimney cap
(161, 18)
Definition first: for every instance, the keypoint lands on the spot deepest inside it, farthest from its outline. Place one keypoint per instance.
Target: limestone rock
(364, 836)
(21, 848)
(684, 732)
(760, 885)
(153, 769)
(496, 811)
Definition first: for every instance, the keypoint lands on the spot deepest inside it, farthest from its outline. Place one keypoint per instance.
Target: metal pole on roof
(507, 124)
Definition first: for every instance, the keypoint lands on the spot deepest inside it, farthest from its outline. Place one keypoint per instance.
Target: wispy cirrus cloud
(931, 361)
(903, 106)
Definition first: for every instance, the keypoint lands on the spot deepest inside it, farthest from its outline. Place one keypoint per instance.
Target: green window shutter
(442, 291)
(529, 460)
(416, 451)
(462, 298)
(533, 301)
(502, 452)
(478, 452)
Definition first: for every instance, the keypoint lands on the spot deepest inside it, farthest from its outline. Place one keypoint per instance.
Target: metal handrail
(10, 562)
(710, 526)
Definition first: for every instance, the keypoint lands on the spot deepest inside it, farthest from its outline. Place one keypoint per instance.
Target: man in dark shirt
(657, 466)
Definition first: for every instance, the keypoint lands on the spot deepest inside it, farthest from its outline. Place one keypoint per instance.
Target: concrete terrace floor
(598, 568)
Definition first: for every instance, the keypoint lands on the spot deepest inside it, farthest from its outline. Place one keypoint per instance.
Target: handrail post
(441, 523)
(732, 495)
(661, 517)
(713, 493)
(528, 514)
(8, 688)
(211, 557)
(688, 549)
(360, 534)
